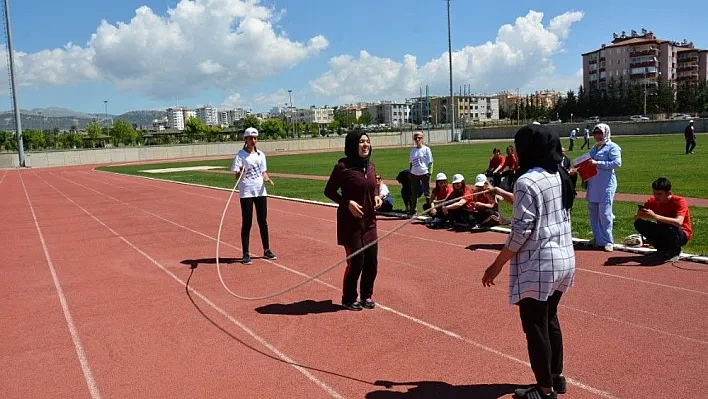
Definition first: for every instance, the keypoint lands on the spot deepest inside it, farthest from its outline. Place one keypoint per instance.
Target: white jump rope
(308, 279)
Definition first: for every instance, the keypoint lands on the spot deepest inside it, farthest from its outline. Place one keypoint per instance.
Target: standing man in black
(690, 135)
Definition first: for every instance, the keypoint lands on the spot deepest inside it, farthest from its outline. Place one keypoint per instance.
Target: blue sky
(327, 52)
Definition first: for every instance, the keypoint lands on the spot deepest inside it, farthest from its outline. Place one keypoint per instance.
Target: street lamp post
(105, 112)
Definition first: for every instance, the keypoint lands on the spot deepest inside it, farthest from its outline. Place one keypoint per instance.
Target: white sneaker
(609, 247)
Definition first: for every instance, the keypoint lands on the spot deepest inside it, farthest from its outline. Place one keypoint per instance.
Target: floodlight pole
(452, 95)
(18, 120)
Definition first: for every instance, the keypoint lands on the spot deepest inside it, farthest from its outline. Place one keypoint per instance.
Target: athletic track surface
(95, 268)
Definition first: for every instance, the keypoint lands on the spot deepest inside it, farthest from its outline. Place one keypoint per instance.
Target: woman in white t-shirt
(252, 192)
(421, 166)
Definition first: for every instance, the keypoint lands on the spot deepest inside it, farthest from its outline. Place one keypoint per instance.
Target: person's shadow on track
(194, 263)
(300, 308)
(439, 389)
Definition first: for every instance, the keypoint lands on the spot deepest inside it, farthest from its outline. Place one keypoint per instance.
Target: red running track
(95, 305)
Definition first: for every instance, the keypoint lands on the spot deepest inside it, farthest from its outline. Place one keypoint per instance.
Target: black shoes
(357, 305)
(268, 254)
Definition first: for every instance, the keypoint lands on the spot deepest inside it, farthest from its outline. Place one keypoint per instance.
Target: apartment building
(175, 118)
(642, 58)
(389, 113)
(208, 115)
(468, 108)
(545, 99)
(321, 116)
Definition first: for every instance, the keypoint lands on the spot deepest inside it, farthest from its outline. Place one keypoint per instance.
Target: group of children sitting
(477, 205)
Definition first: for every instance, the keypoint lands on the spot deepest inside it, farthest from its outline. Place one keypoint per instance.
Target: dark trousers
(586, 143)
(539, 320)
(364, 265)
(415, 183)
(690, 145)
(571, 144)
(247, 205)
(663, 237)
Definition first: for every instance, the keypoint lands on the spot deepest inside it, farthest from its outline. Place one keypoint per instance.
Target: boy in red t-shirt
(665, 221)
(496, 164)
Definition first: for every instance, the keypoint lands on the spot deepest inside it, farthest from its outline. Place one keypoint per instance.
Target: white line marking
(206, 300)
(3, 177)
(391, 310)
(428, 270)
(80, 352)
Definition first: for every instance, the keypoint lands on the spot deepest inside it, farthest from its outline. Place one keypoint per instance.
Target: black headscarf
(351, 150)
(538, 147)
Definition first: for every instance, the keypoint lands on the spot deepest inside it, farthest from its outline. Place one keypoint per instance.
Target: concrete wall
(618, 129)
(404, 139)
(149, 153)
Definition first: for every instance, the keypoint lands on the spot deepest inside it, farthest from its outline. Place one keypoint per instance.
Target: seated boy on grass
(665, 221)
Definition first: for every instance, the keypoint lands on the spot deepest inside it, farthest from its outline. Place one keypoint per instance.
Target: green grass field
(644, 159)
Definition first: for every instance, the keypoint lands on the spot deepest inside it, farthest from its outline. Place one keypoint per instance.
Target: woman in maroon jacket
(355, 176)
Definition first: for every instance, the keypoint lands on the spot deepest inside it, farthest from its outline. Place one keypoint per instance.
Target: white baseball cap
(441, 176)
(250, 132)
(457, 178)
(480, 180)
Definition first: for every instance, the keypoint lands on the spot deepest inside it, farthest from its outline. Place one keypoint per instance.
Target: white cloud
(197, 45)
(232, 101)
(520, 56)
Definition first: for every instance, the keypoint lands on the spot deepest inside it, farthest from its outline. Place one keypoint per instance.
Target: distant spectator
(690, 135)
(573, 134)
(496, 163)
(665, 221)
(384, 195)
(421, 166)
(586, 136)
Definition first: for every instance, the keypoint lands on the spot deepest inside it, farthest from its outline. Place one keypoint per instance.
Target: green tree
(94, 132)
(365, 118)
(122, 132)
(251, 121)
(194, 128)
(273, 128)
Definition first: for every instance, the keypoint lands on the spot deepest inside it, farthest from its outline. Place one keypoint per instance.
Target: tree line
(620, 99)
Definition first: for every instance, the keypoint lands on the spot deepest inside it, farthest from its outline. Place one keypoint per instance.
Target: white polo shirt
(254, 163)
(420, 158)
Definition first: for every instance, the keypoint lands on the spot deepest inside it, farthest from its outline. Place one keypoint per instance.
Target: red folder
(583, 164)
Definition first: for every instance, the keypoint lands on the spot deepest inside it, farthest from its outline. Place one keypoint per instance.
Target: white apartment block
(175, 118)
(208, 115)
(188, 113)
(389, 113)
(322, 116)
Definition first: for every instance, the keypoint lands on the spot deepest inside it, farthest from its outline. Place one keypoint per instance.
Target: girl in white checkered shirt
(540, 248)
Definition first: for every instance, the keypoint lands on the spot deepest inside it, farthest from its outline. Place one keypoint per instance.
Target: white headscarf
(606, 134)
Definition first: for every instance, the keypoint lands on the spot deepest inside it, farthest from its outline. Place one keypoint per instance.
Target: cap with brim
(250, 132)
(441, 176)
(457, 178)
(480, 180)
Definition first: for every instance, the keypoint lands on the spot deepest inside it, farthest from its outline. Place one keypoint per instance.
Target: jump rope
(323, 271)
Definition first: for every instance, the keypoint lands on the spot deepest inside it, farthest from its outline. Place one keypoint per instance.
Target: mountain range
(64, 119)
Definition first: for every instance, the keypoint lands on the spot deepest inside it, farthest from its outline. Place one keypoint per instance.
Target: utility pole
(105, 112)
(518, 122)
(292, 119)
(451, 108)
(18, 120)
